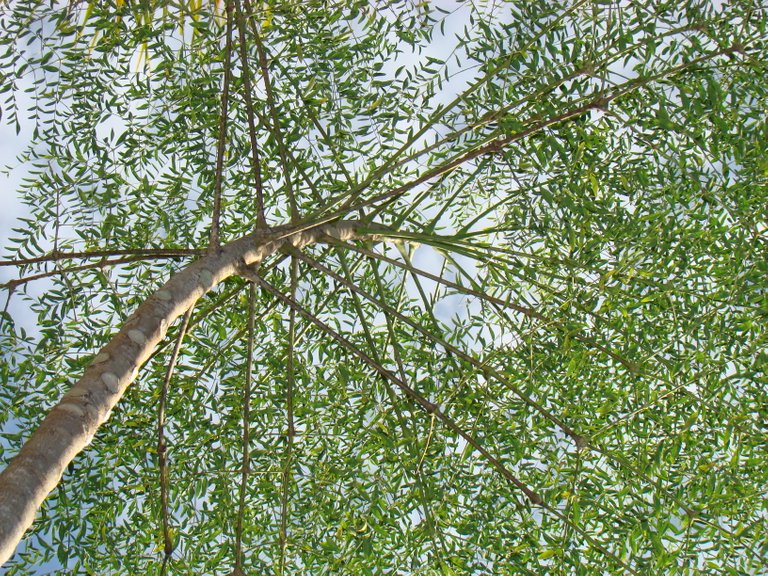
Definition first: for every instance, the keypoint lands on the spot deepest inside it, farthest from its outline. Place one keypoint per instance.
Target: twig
(11, 284)
(277, 132)
(480, 366)
(497, 302)
(261, 221)
(431, 408)
(426, 405)
(216, 217)
(56, 255)
(162, 448)
(246, 429)
(291, 432)
(407, 431)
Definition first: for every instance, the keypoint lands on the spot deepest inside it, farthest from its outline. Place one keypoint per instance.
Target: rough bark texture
(71, 424)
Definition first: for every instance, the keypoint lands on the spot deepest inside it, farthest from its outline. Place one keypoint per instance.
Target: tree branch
(497, 144)
(425, 404)
(162, 448)
(480, 366)
(216, 217)
(70, 425)
(276, 131)
(291, 431)
(12, 284)
(246, 428)
(148, 253)
(434, 409)
(407, 431)
(261, 220)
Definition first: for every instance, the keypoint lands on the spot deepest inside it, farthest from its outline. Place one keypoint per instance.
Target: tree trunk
(71, 424)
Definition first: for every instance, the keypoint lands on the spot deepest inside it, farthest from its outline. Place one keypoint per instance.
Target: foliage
(575, 295)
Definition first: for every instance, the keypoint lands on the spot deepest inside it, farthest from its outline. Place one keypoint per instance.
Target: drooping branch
(246, 467)
(437, 537)
(581, 441)
(291, 429)
(162, 446)
(276, 131)
(434, 409)
(247, 93)
(70, 425)
(426, 405)
(222, 137)
(499, 303)
(480, 366)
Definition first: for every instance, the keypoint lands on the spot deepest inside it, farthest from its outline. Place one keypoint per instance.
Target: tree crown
(524, 330)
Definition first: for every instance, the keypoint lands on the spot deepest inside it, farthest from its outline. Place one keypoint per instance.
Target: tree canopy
(461, 287)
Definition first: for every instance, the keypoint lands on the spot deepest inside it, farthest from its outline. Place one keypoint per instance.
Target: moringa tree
(461, 288)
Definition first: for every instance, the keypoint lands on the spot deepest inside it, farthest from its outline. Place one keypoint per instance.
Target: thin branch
(566, 537)
(441, 111)
(246, 428)
(451, 201)
(580, 441)
(329, 142)
(164, 565)
(498, 302)
(276, 131)
(149, 253)
(497, 144)
(431, 408)
(492, 147)
(428, 306)
(291, 432)
(274, 125)
(215, 241)
(162, 448)
(480, 366)
(428, 406)
(261, 220)
(5, 314)
(407, 431)
(11, 284)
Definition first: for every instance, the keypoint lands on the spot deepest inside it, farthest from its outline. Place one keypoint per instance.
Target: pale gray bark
(71, 424)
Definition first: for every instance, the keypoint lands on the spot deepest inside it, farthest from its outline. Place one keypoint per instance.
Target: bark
(70, 425)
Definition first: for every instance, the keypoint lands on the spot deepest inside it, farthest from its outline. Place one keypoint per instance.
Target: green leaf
(509, 304)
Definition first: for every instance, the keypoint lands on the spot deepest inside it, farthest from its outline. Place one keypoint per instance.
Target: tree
(495, 308)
